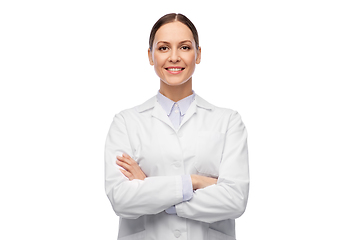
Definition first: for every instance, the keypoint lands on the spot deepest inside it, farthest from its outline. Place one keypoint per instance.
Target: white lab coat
(211, 141)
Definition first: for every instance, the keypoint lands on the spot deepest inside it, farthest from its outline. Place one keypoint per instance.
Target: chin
(174, 83)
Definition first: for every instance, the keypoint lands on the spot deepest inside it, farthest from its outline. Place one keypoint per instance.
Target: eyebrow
(169, 43)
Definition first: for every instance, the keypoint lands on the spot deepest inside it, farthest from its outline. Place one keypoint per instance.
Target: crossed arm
(133, 171)
(215, 200)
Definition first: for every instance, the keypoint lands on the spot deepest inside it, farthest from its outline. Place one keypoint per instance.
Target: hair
(173, 17)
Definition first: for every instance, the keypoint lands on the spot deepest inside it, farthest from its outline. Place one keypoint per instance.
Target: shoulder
(134, 111)
(229, 117)
(215, 110)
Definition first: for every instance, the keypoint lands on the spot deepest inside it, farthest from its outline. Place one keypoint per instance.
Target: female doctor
(176, 166)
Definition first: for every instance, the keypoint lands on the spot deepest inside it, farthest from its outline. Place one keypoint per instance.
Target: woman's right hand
(131, 169)
(202, 181)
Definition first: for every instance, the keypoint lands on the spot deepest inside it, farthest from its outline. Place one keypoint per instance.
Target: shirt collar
(151, 103)
(168, 104)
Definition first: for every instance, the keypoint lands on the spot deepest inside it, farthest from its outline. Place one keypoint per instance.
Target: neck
(178, 92)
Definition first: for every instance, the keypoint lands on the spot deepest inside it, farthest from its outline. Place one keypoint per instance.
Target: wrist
(194, 181)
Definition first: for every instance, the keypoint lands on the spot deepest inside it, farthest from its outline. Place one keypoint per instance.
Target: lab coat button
(177, 233)
(177, 164)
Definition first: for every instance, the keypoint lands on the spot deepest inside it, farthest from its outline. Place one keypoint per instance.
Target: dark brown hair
(172, 17)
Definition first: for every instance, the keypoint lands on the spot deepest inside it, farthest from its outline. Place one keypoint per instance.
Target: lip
(174, 72)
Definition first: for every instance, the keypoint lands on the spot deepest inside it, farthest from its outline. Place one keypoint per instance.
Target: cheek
(159, 60)
(189, 58)
(190, 61)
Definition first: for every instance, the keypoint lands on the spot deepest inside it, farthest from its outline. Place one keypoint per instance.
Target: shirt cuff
(187, 187)
(171, 210)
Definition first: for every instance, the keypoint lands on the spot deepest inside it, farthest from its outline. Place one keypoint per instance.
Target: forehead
(173, 32)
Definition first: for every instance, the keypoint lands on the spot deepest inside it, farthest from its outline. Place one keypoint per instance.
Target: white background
(290, 68)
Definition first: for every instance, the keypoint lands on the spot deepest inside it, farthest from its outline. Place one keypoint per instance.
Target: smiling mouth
(174, 69)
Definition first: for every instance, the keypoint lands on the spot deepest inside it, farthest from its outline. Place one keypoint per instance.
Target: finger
(120, 163)
(123, 159)
(129, 160)
(124, 165)
(127, 174)
(120, 157)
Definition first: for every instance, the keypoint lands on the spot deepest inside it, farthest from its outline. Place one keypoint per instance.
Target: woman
(176, 166)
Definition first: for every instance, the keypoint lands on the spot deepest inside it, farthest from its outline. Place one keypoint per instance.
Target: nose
(174, 56)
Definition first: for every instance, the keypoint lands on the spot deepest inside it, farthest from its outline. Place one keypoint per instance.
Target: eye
(185, 47)
(163, 48)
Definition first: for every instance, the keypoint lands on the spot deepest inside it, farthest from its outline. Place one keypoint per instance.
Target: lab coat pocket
(137, 236)
(209, 147)
(216, 235)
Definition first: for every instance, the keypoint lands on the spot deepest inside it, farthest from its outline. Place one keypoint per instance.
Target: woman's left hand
(132, 169)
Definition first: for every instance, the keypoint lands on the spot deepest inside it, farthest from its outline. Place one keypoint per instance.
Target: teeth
(174, 69)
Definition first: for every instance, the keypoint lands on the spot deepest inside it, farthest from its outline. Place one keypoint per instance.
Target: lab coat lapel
(189, 113)
(198, 102)
(159, 113)
(156, 111)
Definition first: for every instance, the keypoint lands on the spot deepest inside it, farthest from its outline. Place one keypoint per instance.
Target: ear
(150, 57)
(198, 57)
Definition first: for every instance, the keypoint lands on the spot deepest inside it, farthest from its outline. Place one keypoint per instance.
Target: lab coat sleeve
(228, 198)
(132, 199)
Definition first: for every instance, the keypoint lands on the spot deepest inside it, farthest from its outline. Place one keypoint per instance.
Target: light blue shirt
(173, 109)
(176, 111)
